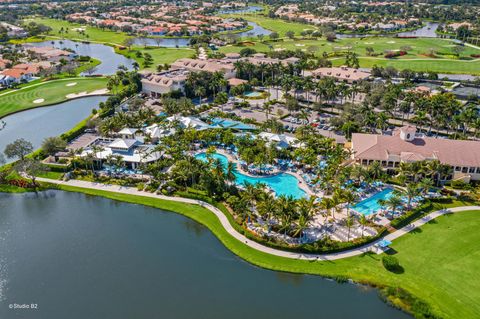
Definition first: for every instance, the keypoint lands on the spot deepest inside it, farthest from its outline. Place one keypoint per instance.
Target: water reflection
(110, 60)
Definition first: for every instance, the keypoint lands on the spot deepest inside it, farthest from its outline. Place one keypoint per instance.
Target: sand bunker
(72, 84)
(299, 45)
(85, 93)
(39, 101)
(391, 42)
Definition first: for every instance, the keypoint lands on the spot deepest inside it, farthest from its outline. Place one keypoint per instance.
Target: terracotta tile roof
(384, 147)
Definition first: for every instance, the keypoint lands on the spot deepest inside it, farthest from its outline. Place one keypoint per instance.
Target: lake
(184, 42)
(36, 124)
(106, 54)
(79, 256)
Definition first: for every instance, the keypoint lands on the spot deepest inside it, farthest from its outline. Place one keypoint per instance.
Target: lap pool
(370, 205)
(282, 184)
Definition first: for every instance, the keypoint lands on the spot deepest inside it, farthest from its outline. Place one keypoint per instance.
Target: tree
(274, 35)
(52, 145)
(18, 149)
(290, 34)
(31, 168)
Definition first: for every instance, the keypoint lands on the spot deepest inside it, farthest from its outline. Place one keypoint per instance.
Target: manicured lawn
(415, 59)
(91, 33)
(440, 260)
(159, 55)
(51, 92)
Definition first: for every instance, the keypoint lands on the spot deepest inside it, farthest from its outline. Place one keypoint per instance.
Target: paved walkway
(228, 227)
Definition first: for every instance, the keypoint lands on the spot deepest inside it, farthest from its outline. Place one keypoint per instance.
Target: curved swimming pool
(282, 184)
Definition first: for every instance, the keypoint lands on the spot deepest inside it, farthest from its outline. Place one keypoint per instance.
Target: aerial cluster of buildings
(292, 12)
(36, 59)
(158, 20)
(14, 31)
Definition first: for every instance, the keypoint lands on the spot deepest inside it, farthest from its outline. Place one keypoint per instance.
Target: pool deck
(301, 182)
(370, 247)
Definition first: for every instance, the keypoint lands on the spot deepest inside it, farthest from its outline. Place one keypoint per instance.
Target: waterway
(427, 31)
(78, 256)
(110, 60)
(184, 42)
(36, 124)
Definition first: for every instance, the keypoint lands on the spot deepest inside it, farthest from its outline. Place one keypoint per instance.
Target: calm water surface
(106, 54)
(36, 124)
(78, 256)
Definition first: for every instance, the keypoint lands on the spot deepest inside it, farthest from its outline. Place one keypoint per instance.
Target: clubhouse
(406, 145)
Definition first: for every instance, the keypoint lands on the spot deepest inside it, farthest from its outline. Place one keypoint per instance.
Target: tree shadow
(416, 231)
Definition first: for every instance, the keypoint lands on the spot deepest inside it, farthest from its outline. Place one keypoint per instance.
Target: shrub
(390, 263)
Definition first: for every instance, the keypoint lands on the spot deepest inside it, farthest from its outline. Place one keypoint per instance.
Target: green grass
(94, 34)
(440, 260)
(159, 55)
(415, 59)
(87, 65)
(52, 92)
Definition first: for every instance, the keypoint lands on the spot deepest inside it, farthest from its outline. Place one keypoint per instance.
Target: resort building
(406, 145)
(132, 151)
(343, 73)
(197, 65)
(156, 84)
(261, 58)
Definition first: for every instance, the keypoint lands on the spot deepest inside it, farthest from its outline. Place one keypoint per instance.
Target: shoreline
(355, 270)
(93, 93)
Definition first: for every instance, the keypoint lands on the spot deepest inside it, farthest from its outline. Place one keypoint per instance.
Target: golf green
(47, 93)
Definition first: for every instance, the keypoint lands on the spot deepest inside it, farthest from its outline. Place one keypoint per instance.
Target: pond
(162, 42)
(36, 124)
(106, 54)
(79, 256)
(257, 30)
(248, 9)
(427, 31)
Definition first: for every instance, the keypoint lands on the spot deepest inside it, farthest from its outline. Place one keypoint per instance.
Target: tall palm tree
(411, 192)
(349, 222)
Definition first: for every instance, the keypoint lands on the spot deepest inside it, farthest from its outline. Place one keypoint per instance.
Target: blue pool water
(370, 205)
(282, 184)
(252, 94)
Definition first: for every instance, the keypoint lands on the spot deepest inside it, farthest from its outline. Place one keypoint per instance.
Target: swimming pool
(252, 94)
(282, 184)
(370, 205)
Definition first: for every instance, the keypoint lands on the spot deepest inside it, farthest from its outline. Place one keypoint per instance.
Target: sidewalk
(228, 227)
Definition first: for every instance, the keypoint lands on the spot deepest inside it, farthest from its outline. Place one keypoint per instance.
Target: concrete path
(228, 227)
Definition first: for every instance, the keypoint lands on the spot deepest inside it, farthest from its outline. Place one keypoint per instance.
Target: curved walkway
(371, 247)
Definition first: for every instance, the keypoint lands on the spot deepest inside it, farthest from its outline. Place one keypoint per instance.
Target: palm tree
(327, 204)
(349, 198)
(230, 172)
(394, 203)
(363, 221)
(267, 107)
(349, 222)
(411, 192)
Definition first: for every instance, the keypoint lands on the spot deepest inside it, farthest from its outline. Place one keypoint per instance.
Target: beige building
(156, 84)
(405, 145)
(196, 65)
(343, 73)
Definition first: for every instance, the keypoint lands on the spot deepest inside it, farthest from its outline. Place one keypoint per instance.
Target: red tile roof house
(407, 146)
(9, 76)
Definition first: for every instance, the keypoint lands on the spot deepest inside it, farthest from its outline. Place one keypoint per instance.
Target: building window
(464, 169)
(471, 170)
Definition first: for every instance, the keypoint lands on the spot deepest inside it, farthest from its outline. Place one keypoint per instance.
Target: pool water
(253, 94)
(282, 184)
(370, 205)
